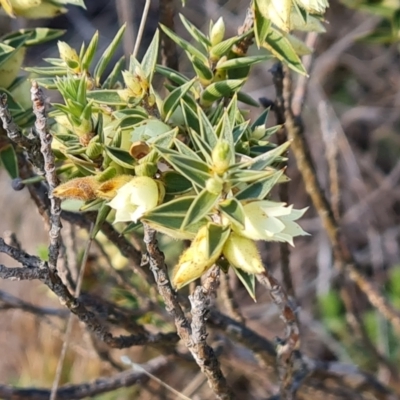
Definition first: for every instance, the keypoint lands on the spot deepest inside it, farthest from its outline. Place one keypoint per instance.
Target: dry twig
(90, 389)
(42, 130)
(203, 354)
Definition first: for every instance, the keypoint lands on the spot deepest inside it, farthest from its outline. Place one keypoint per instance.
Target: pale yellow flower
(314, 6)
(242, 253)
(198, 258)
(272, 221)
(135, 198)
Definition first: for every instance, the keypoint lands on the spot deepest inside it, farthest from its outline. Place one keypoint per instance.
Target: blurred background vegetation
(352, 123)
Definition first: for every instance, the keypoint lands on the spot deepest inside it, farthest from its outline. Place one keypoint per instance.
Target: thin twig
(330, 139)
(291, 366)
(70, 321)
(204, 354)
(204, 358)
(137, 367)
(42, 130)
(54, 283)
(89, 389)
(279, 109)
(169, 53)
(342, 253)
(141, 28)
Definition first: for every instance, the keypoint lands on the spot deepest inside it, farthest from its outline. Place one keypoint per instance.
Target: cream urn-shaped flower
(270, 221)
(135, 198)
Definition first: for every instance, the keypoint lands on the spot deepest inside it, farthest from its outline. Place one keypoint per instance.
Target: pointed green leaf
(115, 75)
(186, 150)
(175, 183)
(261, 24)
(47, 71)
(172, 101)
(261, 120)
(233, 210)
(206, 128)
(282, 49)
(184, 44)
(201, 146)
(222, 48)
(165, 139)
(271, 131)
(249, 176)
(196, 33)
(190, 116)
(17, 41)
(264, 160)
(217, 236)
(247, 99)
(195, 170)
(93, 205)
(248, 280)
(101, 217)
(224, 132)
(150, 58)
(90, 52)
(260, 189)
(172, 75)
(242, 62)
(121, 157)
(201, 206)
(239, 131)
(202, 70)
(107, 55)
(127, 112)
(35, 36)
(99, 128)
(168, 217)
(9, 160)
(131, 227)
(218, 90)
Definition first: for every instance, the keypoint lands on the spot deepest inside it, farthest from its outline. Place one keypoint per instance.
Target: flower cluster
(189, 165)
(263, 220)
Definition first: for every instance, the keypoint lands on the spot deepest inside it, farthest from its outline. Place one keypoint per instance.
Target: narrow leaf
(107, 55)
(9, 160)
(149, 60)
(200, 207)
(121, 157)
(172, 101)
(233, 210)
(184, 44)
(248, 280)
(281, 48)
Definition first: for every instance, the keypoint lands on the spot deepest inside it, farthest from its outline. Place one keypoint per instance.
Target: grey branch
(292, 368)
(202, 354)
(30, 143)
(42, 130)
(54, 283)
